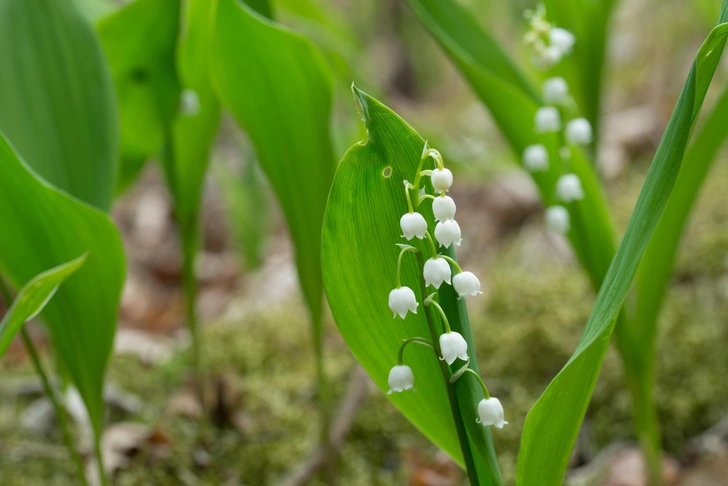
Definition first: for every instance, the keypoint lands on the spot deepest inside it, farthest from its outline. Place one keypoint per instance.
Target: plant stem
(60, 412)
(189, 281)
(100, 460)
(445, 369)
(418, 340)
(323, 399)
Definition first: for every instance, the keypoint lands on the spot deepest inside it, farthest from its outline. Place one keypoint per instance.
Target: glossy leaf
(140, 43)
(32, 298)
(280, 94)
(57, 97)
(44, 227)
(553, 423)
(361, 230)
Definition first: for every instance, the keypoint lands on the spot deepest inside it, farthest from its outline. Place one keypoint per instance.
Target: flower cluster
(437, 270)
(548, 43)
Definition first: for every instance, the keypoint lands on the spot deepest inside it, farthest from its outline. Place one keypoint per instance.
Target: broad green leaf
(140, 42)
(32, 298)
(57, 98)
(361, 230)
(44, 227)
(280, 94)
(553, 423)
(513, 103)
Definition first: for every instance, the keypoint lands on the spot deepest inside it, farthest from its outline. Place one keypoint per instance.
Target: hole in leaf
(387, 172)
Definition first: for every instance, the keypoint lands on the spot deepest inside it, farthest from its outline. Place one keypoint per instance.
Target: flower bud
(490, 412)
(189, 103)
(466, 283)
(536, 158)
(444, 208)
(400, 379)
(557, 219)
(453, 346)
(579, 131)
(569, 189)
(548, 120)
(447, 233)
(548, 57)
(562, 39)
(555, 91)
(436, 271)
(441, 179)
(402, 300)
(413, 224)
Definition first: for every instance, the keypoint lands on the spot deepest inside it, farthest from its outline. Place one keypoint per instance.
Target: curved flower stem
(405, 249)
(423, 197)
(442, 313)
(453, 262)
(418, 340)
(465, 446)
(426, 152)
(432, 244)
(407, 187)
(462, 371)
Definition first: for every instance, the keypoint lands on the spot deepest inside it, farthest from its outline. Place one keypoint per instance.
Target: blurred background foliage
(256, 332)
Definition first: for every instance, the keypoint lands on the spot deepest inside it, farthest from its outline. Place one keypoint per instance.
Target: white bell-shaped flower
(490, 412)
(548, 120)
(436, 271)
(557, 219)
(466, 283)
(569, 189)
(536, 158)
(402, 300)
(413, 224)
(579, 131)
(453, 346)
(548, 57)
(444, 208)
(441, 179)
(555, 91)
(400, 379)
(447, 233)
(562, 39)
(189, 103)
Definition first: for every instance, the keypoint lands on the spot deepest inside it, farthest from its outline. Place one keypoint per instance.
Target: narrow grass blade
(553, 423)
(32, 298)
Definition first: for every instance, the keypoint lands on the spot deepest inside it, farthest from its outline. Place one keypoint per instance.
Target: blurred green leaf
(361, 229)
(32, 298)
(280, 94)
(553, 423)
(44, 227)
(57, 98)
(140, 42)
(513, 102)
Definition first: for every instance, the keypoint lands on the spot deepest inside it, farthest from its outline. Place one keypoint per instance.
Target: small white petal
(466, 283)
(402, 300)
(453, 346)
(548, 57)
(568, 188)
(436, 271)
(562, 39)
(444, 208)
(490, 412)
(441, 179)
(413, 224)
(548, 120)
(447, 233)
(536, 158)
(400, 378)
(579, 131)
(557, 219)
(555, 90)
